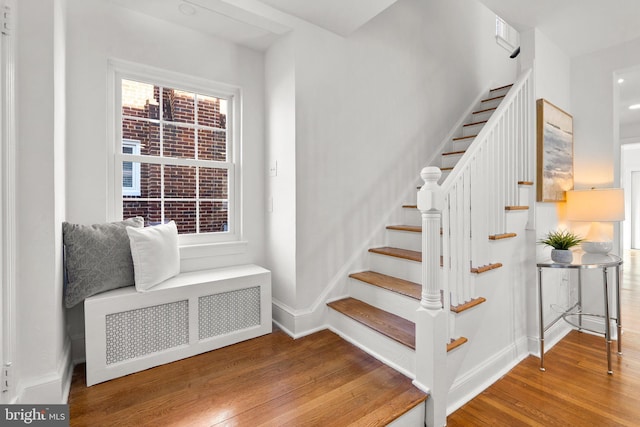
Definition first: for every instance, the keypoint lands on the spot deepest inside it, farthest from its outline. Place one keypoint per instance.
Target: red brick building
(192, 126)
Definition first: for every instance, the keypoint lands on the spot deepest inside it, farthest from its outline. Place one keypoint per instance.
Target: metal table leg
(607, 320)
(618, 315)
(541, 319)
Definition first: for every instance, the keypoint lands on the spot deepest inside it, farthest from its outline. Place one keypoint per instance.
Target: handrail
(488, 127)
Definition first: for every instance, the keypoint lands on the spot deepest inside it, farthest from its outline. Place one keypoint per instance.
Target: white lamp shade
(603, 205)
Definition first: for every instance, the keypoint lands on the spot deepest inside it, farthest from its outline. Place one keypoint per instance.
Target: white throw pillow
(155, 254)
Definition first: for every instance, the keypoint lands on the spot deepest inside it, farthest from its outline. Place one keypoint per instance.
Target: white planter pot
(561, 256)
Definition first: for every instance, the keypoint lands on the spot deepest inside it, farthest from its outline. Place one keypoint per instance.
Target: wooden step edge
(398, 253)
(389, 283)
(388, 324)
(410, 228)
(410, 206)
(485, 268)
(453, 153)
(446, 169)
(455, 343)
(467, 305)
(475, 123)
(493, 99)
(500, 88)
(516, 208)
(502, 236)
(460, 138)
(485, 111)
(525, 182)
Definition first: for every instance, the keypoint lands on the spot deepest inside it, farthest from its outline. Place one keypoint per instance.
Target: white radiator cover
(128, 331)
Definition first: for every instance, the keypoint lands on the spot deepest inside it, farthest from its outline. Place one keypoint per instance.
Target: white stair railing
(469, 206)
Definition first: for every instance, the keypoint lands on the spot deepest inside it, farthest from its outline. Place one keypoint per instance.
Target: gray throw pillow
(97, 258)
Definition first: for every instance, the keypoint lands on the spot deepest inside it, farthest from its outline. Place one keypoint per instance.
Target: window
(130, 170)
(174, 154)
(506, 35)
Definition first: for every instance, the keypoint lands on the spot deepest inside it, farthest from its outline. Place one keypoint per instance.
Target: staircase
(386, 301)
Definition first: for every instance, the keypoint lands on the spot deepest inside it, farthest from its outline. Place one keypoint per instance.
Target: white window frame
(134, 190)
(506, 35)
(119, 70)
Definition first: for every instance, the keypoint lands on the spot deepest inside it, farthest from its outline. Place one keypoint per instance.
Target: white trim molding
(8, 195)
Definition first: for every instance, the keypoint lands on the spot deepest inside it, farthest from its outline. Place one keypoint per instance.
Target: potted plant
(561, 241)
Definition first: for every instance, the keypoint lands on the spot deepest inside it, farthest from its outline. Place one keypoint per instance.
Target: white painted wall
(280, 188)
(369, 111)
(42, 353)
(552, 73)
(99, 30)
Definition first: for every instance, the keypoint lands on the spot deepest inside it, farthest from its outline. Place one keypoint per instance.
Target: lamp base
(597, 247)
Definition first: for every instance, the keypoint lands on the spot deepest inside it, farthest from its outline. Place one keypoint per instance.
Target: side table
(584, 261)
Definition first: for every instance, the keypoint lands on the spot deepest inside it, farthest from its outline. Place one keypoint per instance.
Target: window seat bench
(128, 331)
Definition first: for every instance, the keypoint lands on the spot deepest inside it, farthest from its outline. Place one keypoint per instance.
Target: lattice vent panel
(220, 314)
(135, 333)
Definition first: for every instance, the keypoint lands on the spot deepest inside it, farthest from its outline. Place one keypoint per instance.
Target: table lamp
(597, 206)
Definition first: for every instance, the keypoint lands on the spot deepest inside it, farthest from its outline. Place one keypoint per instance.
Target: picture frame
(554, 171)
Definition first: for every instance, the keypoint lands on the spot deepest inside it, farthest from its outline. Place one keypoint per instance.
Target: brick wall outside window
(186, 112)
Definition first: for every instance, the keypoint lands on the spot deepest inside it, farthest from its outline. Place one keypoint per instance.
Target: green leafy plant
(561, 239)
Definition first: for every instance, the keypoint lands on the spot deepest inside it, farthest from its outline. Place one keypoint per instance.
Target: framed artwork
(555, 152)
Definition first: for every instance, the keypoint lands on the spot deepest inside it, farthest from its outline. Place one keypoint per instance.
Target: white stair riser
(461, 145)
(524, 194)
(500, 92)
(386, 300)
(478, 117)
(413, 417)
(396, 267)
(450, 160)
(411, 216)
(472, 130)
(490, 104)
(379, 346)
(444, 176)
(404, 239)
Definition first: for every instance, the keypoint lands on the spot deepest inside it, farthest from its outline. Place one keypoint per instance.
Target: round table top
(585, 260)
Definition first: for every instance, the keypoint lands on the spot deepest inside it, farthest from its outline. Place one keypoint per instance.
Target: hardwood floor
(318, 380)
(575, 390)
(321, 380)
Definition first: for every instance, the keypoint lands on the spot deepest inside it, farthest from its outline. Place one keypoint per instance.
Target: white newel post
(431, 319)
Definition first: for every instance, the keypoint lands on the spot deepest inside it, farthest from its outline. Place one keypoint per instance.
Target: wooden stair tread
(398, 253)
(411, 228)
(485, 268)
(516, 208)
(485, 110)
(467, 305)
(455, 343)
(493, 98)
(453, 153)
(500, 88)
(502, 236)
(476, 123)
(390, 283)
(460, 138)
(410, 206)
(388, 324)
(525, 182)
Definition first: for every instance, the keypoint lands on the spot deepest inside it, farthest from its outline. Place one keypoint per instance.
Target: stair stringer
(497, 329)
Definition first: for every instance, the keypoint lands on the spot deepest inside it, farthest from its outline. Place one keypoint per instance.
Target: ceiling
(342, 17)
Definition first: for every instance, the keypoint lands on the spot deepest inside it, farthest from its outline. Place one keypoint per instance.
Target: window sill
(212, 249)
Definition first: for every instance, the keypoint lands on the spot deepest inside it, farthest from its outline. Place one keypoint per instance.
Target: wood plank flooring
(318, 380)
(575, 390)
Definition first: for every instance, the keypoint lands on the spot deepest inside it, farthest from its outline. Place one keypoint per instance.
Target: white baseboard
(52, 388)
(471, 384)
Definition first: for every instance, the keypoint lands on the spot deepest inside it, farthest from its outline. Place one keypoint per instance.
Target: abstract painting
(555, 152)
